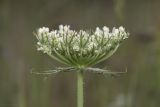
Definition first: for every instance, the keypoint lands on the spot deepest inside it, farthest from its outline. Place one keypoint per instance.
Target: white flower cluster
(79, 47)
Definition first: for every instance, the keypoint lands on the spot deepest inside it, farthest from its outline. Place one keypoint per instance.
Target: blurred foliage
(140, 87)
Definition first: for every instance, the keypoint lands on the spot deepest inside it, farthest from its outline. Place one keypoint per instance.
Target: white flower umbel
(80, 49)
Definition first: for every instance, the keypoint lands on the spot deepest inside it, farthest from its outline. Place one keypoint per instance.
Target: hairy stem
(80, 76)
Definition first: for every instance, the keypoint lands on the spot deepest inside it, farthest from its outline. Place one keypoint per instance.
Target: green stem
(80, 88)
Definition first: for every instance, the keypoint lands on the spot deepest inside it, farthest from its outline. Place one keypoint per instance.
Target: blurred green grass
(140, 87)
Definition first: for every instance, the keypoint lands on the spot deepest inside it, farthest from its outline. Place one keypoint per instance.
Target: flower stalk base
(80, 77)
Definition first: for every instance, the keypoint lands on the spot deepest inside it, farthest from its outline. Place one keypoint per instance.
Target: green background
(139, 87)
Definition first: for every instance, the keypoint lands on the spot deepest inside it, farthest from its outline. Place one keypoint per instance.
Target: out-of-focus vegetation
(140, 87)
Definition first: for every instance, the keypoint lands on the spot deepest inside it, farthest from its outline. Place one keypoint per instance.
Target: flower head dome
(80, 48)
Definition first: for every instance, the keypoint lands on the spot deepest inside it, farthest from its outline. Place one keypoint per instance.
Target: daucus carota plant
(79, 49)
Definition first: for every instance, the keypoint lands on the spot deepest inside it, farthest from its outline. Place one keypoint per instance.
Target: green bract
(80, 49)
